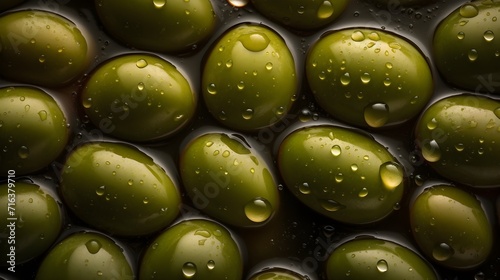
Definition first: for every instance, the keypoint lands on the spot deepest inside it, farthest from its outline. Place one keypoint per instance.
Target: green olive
(302, 14)
(85, 256)
(249, 78)
(229, 180)
(451, 227)
(373, 258)
(119, 189)
(41, 48)
(33, 129)
(193, 249)
(341, 173)
(459, 135)
(158, 25)
(465, 48)
(33, 221)
(138, 97)
(368, 77)
(277, 273)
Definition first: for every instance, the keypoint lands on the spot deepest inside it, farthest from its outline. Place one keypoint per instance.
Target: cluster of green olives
(238, 139)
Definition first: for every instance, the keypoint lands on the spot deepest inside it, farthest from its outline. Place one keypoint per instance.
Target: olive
(302, 14)
(375, 258)
(41, 48)
(33, 221)
(85, 255)
(451, 227)
(33, 129)
(458, 137)
(465, 49)
(341, 173)
(118, 189)
(369, 78)
(229, 180)
(193, 249)
(277, 273)
(249, 78)
(158, 25)
(138, 97)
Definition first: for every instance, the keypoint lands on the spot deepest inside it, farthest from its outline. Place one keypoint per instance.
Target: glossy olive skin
(193, 249)
(38, 220)
(302, 14)
(229, 180)
(249, 78)
(341, 173)
(41, 48)
(459, 135)
(372, 258)
(368, 77)
(465, 48)
(161, 25)
(33, 129)
(451, 227)
(277, 273)
(138, 97)
(119, 189)
(85, 255)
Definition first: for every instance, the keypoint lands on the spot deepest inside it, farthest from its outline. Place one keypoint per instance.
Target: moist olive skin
(249, 78)
(368, 78)
(302, 14)
(172, 26)
(41, 48)
(465, 49)
(229, 180)
(33, 129)
(373, 258)
(458, 136)
(38, 220)
(197, 249)
(118, 189)
(451, 227)
(138, 97)
(341, 173)
(85, 255)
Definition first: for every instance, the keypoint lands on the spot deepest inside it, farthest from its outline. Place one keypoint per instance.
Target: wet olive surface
(295, 237)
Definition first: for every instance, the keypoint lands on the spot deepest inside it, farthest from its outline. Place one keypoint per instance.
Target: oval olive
(373, 258)
(340, 173)
(459, 135)
(465, 49)
(249, 78)
(138, 97)
(33, 129)
(41, 48)
(33, 221)
(451, 227)
(119, 189)
(85, 256)
(193, 249)
(368, 77)
(229, 180)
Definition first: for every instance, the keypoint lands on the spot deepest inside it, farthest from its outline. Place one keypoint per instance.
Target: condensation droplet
(43, 115)
(363, 192)
(345, 79)
(488, 35)
(159, 3)
(382, 266)
(376, 114)
(326, 10)
(140, 86)
(23, 152)
(431, 151)
(269, 66)
(354, 167)
(357, 36)
(432, 124)
(211, 88)
(255, 42)
(210, 265)
(189, 270)
(472, 54)
(247, 114)
(258, 210)
(336, 150)
(41, 59)
(460, 35)
(442, 252)
(468, 11)
(391, 174)
(365, 78)
(100, 191)
(304, 188)
(238, 3)
(331, 205)
(93, 246)
(141, 63)
(229, 63)
(459, 147)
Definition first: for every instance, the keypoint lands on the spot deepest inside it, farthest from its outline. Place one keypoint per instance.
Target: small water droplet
(189, 270)
(269, 66)
(336, 150)
(255, 42)
(345, 79)
(432, 124)
(304, 188)
(391, 174)
(229, 63)
(468, 11)
(27, 107)
(130, 182)
(382, 266)
(331, 205)
(238, 3)
(363, 192)
(43, 115)
(141, 63)
(488, 35)
(431, 151)
(226, 153)
(442, 252)
(100, 191)
(365, 78)
(472, 55)
(247, 114)
(357, 36)
(41, 59)
(210, 264)
(459, 147)
(376, 114)
(212, 89)
(326, 10)
(93, 246)
(388, 65)
(354, 167)
(159, 3)
(258, 210)
(145, 200)
(23, 152)
(460, 35)
(241, 85)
